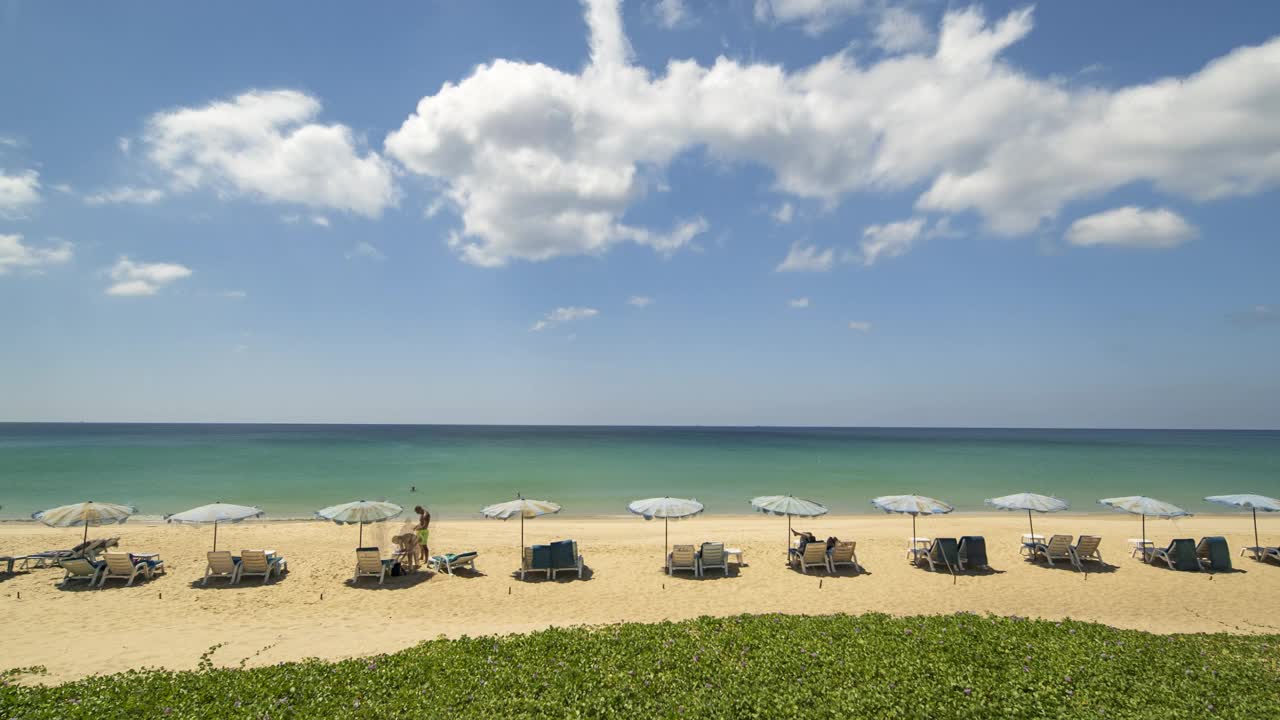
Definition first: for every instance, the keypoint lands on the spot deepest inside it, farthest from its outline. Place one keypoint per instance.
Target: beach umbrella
(667, 508)
(360, 512)
(912, 505)
(1144, 506)
(788, 505)
(214, 513)
(85, 513)
(1031, 502)
(523, 507)
(1254, 503)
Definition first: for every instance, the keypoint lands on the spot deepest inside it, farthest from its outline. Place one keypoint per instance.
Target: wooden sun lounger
(683, 557)
(844, 553)
(814, 555)
(369, 563)
(711, 556)
(81, 569)
(1086, 550)
(221, 564)
(1058, 548)
(259, 564)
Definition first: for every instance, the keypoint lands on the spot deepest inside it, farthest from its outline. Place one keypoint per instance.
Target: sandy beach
(315, 611)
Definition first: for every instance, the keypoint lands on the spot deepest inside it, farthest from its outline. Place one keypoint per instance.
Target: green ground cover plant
(766, 666)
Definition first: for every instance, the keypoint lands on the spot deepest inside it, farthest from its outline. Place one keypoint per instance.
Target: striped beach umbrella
(522, 506)
(788, 505)
(214, 513)
(667, 508)
(912, 505)
(359, 513)
(86, 514)
(1031, 502)
(1254, 503)
(1144, 506)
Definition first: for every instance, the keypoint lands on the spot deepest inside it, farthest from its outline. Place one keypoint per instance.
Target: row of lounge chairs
(967, 553)
(112, 566)
(250, 563)
(710, 556)
(1060, 550)
(1211, 553)
(560, 556)
(87, 550)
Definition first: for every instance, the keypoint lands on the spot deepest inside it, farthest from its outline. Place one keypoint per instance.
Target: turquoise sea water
(291, 470)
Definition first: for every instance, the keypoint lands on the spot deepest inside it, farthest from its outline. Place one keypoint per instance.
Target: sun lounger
(1271, 553)
(1180, 555)
(973, 553)
(844, 553)
(945, 552)
(682, 557)
(81, 569)
(369, 563)
(449, 562)
(711, 556)
(1214, 554)
(536, 559)
(1086, 550)
(129, 567)
(814, 555)
(8, 562)
(565, 558)
(258, 563)
(1058, 549)
(221, 565)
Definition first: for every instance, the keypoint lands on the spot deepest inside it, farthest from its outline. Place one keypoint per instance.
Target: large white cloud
(15, 254)
(265, 144)
(540, 163)
(131, 278)
(18, 192)
(1132, 227)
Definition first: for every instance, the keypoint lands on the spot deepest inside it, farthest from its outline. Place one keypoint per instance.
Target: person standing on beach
(423, 531)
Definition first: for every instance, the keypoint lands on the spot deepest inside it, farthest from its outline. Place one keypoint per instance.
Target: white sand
(314, 612)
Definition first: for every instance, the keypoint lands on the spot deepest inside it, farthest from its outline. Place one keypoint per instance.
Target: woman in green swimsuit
(423, 531)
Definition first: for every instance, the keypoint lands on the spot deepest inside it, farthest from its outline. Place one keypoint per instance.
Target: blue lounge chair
(1180, 555)
(565, 558)
(1213, 554)
(973, 553)
(945, 552)
(536, 559)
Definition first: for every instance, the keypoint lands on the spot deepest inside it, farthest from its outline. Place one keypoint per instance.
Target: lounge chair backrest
(945, 550)
(1182, 553)
(1059, 545)
(815, 553)
(712, 553)
(542, 557)
(119, 563)
(368, 560)
(1216, 551)
(221, 562)
(255, 561)
(564, 554)
(1087, 546)
(973, 550)
(527, 558)
(79, 567)
(683, 555)
(842, 552)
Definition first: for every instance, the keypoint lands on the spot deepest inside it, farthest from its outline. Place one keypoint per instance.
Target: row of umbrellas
(362, 512)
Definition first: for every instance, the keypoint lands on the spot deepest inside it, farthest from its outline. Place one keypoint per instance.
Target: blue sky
(809, 212)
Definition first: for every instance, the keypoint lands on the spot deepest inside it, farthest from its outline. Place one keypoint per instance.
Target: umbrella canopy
(522, 506)
(1254, 503)
(912, 505)
(1031, 502)
(787, 505)
(1144, 506)
(360, 512)
(667, 508)
(86, 514)
(214, 513)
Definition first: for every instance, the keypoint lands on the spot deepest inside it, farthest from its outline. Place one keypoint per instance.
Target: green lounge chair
(1180, 555)
(1213, 554)
(973, 553)
(448, 562)
(536, 559)
(565, 558)
(945, 552)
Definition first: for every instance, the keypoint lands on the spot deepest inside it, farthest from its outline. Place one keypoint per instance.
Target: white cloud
(125, 194)
(799, 303)
(860, 325)
(807, 258)
(64, 188)
(125, 145)
(366, 251)
(235, 294)
(15, 254)
(134, 278)
(563, 315)
(10, 141)
(320, 220)
(899, 30)
(889, 240)
(640, 301)
(815, 16)
(785, 213)
(264, 144)
(673, 13)
(1131, 227)
(18, 193)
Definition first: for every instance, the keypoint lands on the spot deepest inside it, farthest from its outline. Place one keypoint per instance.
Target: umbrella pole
(360, 543)
(85, 539)
(521, 536)
(666, 539)
(1033, 526)
(1144, 538)
(788, 536)
(1256, 544)
(215, 534)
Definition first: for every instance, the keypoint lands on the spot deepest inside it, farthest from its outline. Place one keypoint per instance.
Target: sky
(750, 212)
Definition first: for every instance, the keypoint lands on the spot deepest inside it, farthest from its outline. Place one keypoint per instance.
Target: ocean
(292, 470)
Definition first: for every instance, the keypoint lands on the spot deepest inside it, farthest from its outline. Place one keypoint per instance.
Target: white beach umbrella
(788, 505)
(1031, 502)
(85, 513)
(214, 513)
(667, 508)
(912, 505)
(1254, 503)
(1144, 506)
(360, 512)
(522, 506)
